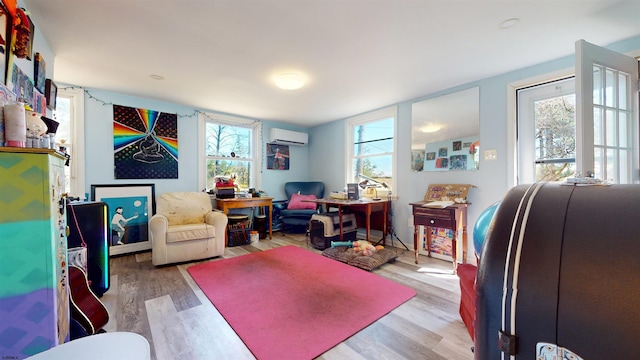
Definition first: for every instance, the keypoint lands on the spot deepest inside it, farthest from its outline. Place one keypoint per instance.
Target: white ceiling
(357, 55)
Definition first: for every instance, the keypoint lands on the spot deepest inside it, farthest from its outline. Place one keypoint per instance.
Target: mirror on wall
(445, 132)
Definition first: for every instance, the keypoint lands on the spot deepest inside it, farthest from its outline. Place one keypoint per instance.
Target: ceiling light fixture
(156, 77)
(289, 81)
(509, 23)
(430, 128)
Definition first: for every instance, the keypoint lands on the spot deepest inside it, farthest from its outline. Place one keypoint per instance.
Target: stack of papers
(439, 204)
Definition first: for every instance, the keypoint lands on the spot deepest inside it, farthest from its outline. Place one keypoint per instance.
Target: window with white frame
(69, 113)
(562, 133)
(371, 147)
(546, 131)
(230, 149)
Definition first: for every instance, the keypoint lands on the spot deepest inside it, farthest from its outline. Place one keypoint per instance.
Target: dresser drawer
(444, 218)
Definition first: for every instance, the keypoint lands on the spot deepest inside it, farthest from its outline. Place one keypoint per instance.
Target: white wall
(492, 179)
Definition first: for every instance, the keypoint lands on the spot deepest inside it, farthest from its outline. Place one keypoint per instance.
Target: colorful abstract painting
(145, 143)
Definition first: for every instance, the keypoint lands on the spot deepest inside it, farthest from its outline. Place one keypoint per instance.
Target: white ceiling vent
(288, 137)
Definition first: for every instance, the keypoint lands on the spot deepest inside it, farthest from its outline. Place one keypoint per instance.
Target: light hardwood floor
(166, 306)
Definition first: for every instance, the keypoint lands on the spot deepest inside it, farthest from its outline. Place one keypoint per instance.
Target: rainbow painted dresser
(34, 298)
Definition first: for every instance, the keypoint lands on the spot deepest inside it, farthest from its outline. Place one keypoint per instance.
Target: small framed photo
(130, 209)
(50, 92)
(40, 73)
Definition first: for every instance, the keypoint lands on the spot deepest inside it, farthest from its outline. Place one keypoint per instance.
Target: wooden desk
(241, 203)
(367, 207)
(452, 217)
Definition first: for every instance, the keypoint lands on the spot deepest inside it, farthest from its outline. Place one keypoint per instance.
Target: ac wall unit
(288, 137)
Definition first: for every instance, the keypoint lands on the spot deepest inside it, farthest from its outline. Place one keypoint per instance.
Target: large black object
(89, 225)
(559, 273)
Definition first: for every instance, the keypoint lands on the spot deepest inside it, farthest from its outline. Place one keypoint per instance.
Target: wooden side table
(241, 203)
(452, 217)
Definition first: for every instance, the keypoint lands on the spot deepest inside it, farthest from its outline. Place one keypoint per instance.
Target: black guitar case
(559, 274)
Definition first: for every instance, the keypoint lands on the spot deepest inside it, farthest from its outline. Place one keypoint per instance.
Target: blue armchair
(298, 219)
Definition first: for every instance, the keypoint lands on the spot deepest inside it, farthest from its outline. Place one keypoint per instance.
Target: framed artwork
(417, 160)
(5, 31)
(457, 145)
(431, 155)
(443, 151)
(441, 242)
(458, 162)
(145, 143)
(32, 30)
(39, 72)
(130, 209)
(442, 163)
(277, 157)
(6, 93)
(39, 103)
(50, 92)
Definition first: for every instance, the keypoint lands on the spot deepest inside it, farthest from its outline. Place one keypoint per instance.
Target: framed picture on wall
(130, 209)
(39, 73)
(277, 157)
(50, 92)
(5, 31)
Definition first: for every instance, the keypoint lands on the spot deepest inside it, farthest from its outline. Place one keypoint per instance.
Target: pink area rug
(290, 303)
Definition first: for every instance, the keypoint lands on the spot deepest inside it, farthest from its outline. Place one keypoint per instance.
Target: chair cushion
(297, 203)
(178, 233)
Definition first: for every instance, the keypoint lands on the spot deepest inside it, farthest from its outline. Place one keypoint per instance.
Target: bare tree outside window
(228, 153)
(555, 138)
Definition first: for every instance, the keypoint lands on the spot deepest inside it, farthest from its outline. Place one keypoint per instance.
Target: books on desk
(439, 204)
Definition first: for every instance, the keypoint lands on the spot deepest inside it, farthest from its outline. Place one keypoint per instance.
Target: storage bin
(325, 228)
(239, 228)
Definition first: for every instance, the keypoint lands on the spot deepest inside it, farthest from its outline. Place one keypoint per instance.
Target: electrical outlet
(491, 154)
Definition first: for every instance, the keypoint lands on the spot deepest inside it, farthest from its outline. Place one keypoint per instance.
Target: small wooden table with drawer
(452, 217)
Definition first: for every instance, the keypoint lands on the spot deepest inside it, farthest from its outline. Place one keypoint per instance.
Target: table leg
(368, 221)
(454, 251)
(415, 240)
(427, 229)
(226, 231)
(385, 214)
(464, 245)
(270, 221)
(340, 221)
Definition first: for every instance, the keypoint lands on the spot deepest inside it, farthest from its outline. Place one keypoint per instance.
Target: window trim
(77, 169)
(512, 117)
(376, 115)
(256, 146)
(525, 162)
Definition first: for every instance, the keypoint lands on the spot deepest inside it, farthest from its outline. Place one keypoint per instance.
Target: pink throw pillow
(296, 202)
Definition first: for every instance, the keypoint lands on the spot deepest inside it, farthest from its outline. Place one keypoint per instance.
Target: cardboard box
(448, 192)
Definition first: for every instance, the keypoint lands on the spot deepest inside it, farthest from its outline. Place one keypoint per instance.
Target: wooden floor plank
(166, 306)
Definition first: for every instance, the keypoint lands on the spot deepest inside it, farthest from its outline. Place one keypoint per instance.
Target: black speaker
(88, 227)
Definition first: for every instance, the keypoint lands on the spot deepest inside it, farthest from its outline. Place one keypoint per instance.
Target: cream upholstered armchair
(185, 228)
